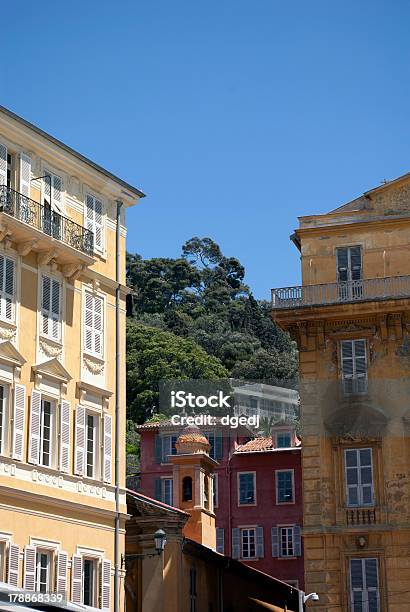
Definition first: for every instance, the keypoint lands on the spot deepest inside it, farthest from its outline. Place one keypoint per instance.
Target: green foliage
(154, 355)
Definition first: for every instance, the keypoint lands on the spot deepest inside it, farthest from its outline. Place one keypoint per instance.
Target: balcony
(29, 223)
(361, 516)
(393, 287)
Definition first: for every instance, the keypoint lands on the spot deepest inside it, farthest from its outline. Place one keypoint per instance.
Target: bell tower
(193, 470)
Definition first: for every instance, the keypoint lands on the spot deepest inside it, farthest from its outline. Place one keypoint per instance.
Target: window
(3, 419)
(215, 490)
(349, 272)
(354, 366)
(285, 487)
(7, 286)
(51, 308)
(52, 204)
(248, 543)
(91, 440)
(164, 447)
(43, 571)
(283, 439)
(89, 582)
(94, 220)
(46, 433)
(215, 440)
(247, 487)
(220, 540)
(364, 585)
(167, 493)
(359, 476)
(93, 324)
(192, 589)
(286, 542)
(187, 489)
(10, 170)
(2, 561)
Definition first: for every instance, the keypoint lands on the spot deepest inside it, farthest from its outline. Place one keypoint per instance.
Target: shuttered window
(359, 477)
(252, 545)
(93, 324)
(3, 164)
(220, 540)
(286, 541)
(354, 366)
(51, 290)
(55, 199)
(7, 288)
(94, 220)
(364, 585)
(349, 263)
(19, 418)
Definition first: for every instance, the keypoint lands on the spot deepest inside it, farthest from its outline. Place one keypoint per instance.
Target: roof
(149, 504)
(263, 444)
(73, 152)
(360, 202)
(167, 424)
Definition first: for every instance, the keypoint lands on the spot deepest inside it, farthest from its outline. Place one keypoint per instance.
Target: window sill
(287, 503)
(246, 505)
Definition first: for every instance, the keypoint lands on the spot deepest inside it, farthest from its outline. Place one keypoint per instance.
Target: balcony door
(349, 273)
(52, 198)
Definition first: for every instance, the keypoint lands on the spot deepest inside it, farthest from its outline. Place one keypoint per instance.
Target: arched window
(187, 489)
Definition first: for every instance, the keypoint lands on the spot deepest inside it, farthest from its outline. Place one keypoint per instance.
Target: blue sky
(234, 116)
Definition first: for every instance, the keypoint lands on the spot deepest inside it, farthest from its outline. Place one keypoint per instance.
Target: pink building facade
(257, 493)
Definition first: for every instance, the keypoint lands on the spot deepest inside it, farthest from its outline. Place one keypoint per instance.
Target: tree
(154, 355)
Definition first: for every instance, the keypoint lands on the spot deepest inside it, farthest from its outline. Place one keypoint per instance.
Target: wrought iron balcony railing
(336, 293)
(46, 220)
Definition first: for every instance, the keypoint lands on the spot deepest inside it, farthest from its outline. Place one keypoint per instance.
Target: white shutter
(259, 542)
(107, 448)
(94, 220)
(3, 164)
(354, 366)
(45, 304)
(57, 184)
(106, 585)
(88, 323)
(55, 308)
(76, 579)
(65, 426)
(62, 566)
(7, 273)
(29, 568)
(19, 418)
(79, 440)
(13, 565)
(98, 325)
(35, 418)
(25, 174)
(98, 224)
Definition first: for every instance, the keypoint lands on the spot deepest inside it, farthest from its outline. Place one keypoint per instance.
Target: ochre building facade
(351, 318)
(61, 287)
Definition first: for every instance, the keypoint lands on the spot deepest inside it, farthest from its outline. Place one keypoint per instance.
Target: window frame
(94, 295)
(287, 432)
(53, 432)
(96, 443)
(96, 569)
(291, 529)
(354, 378)
(281, 471)
(42, 312)
(5, 419)
(247, 472)
(89, 193)
(248, 529)
(49, 554)
(377, 590)
(165, 479)
(359, 485)
(4, 295)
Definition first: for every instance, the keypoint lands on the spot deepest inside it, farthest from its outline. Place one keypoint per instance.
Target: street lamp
(160, 539)
(305, 598)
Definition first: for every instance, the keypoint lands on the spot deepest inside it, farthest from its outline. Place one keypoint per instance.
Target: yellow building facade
(62, 369)
(351, 319)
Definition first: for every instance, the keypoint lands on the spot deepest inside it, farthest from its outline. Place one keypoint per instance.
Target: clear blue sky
(233, 116)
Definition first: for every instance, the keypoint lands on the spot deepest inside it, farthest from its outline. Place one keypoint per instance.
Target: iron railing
(336, 293)
(361, 516)
(46, 220)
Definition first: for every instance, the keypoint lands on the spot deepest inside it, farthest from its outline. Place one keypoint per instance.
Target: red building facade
(257, 493)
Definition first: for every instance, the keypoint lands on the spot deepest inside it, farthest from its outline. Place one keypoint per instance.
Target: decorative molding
(5, 231)
(93, 364)
(7, 331)
(52, 369)
(50, 349)
(44, 257)
(24, 248)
